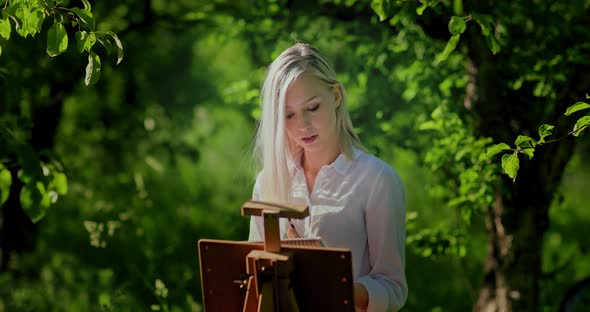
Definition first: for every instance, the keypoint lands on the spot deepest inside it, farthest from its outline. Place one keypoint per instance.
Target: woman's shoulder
(375, 166)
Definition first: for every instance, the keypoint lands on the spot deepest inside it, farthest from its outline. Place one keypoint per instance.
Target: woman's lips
(310, 139)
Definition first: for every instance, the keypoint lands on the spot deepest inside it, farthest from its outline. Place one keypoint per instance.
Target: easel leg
(251, 302)
(266, 300)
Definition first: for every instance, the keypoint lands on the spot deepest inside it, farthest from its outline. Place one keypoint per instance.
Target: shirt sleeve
(386, 236)
(256, 224)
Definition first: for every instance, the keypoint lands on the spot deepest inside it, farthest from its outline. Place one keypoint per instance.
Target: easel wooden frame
(245, 276)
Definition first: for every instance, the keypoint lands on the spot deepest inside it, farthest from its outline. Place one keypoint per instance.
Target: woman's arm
(386, 234)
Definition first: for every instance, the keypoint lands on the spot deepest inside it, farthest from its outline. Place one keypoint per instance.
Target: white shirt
(357, 204)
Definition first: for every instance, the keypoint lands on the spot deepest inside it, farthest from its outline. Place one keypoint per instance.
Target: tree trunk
(518, 219)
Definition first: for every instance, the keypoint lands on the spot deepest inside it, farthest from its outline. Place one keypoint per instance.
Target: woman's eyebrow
(305, 102)
(310, 99)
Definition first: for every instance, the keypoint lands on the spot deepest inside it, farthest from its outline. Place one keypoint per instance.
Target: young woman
(310, 154)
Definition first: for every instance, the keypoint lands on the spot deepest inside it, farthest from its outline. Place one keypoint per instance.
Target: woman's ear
(337, 92)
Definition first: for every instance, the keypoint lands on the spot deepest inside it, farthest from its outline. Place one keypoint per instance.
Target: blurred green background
(157, 154)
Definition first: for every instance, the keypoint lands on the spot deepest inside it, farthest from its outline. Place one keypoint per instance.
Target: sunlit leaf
(495, 149)
(529, 152)
(5, 28)
(5, 183)
(92, 69)
(510, 164)
(87, 5)
(576, 107)
(85, 16)
(457, 25)
(581, 124)
(451, 45)
(381, 7)
(35, 200)
(525, 141)
(31, 18)
(420, 9)
(429, 125)
(57, 40)
(83, 41)
(545, 131)
(119, 47)
(60, 183)
(493, 43)
(106, 44)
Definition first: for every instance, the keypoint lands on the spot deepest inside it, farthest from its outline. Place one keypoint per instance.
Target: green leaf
(576, 107)
(451, 45)
(420, 9)
(35, 200)
(81, 40)
(510, 164)
(60, 183)
(85, 16)
(581, 124)
(495, 149)
(87, 6)
(485, 23)
(429, 125)
(31, 18)
(493, 43)
(5, 28)
(5, 183)
(525, 141)
(119, 47)
(107, 45)
(57, 40)
(457, 201)
(545, 131)
(381, 7)
(0, 50)
(529, 152)
(85, 41)
(92, 69)
(457, 25)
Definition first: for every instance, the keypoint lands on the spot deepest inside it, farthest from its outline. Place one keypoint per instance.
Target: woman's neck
(313, 162)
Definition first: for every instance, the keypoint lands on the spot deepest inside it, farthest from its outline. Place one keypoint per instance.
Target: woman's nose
(305, 120)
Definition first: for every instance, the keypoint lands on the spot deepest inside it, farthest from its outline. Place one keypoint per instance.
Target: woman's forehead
(304, 89)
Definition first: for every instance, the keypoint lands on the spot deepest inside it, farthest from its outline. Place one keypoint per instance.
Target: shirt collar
(342, 164)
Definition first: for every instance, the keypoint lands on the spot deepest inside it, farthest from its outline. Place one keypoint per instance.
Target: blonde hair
(272, 148)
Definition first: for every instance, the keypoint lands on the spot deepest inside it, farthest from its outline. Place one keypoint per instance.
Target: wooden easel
(269, 288)
(273, 277)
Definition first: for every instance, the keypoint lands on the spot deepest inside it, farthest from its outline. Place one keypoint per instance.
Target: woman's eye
(313, 109)
(290, 116)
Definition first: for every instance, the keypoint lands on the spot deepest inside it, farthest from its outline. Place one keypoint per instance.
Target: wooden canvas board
(322, 279)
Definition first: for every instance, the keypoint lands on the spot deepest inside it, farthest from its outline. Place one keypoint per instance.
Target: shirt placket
(318, 187)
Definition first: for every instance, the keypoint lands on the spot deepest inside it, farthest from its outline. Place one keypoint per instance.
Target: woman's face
(310, 114)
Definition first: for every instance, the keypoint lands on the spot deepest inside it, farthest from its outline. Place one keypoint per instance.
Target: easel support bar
(272, 236)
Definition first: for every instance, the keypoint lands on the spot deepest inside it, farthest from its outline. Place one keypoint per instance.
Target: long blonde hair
(272, 150)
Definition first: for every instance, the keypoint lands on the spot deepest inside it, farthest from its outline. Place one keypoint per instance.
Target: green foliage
(28, 18)
(527, 145)
(467, 178)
